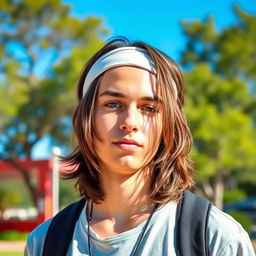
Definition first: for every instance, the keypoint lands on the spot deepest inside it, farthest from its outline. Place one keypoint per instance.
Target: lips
(127, 144)
(128, 141)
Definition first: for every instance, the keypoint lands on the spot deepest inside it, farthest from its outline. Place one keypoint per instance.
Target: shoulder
(226, 235)
(35, 240)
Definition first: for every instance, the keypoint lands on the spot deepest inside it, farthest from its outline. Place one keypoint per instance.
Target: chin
(126, 165)
(129, 163)
(127, 168)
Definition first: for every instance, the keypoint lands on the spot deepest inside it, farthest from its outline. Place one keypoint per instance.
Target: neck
(126, 197)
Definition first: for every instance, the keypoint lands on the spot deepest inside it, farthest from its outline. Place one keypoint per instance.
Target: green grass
(11, 254)
(13, 235)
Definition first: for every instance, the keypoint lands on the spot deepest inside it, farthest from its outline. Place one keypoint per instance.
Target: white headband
(123, 56)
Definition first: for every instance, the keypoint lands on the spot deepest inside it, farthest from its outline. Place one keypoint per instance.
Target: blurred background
(45, 43)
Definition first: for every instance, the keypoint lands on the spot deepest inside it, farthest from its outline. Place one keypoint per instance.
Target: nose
(130, 120)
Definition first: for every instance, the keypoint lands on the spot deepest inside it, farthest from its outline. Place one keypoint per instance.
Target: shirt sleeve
(226, 236)
(241, 245)
(35, 240)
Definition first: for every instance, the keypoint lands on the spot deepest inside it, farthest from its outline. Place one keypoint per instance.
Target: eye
(113, 105)
(150, 109)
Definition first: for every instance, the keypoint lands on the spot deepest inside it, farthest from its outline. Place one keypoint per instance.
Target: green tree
(42, 50)
(8, 198)
(221, 82)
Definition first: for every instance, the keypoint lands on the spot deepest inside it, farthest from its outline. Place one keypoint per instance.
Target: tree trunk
(26, 178)
(208, 190)
(219, 189)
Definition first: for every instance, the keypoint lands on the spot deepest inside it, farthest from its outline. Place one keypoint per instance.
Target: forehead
(129, 80)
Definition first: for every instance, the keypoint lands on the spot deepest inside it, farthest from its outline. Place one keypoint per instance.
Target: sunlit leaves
(221, 101)
(43, 49)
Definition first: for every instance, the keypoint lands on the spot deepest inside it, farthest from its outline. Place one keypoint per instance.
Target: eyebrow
(121, 95)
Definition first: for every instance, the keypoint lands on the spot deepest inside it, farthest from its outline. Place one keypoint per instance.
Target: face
(128, 117)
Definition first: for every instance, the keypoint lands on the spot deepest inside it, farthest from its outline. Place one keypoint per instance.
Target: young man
(131, 163)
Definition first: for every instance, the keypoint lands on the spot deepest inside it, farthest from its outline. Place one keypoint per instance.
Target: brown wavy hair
(171, 166)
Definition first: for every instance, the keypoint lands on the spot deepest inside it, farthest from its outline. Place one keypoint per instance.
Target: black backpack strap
(61, 229)
(192, 219)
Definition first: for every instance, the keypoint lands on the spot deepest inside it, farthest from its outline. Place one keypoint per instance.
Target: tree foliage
(221, 100)
(42, 50)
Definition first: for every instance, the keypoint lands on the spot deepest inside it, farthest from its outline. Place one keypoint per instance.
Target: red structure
(42, 171)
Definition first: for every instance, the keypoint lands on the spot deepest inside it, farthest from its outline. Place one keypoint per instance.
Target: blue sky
(157, 22)
(154, 22)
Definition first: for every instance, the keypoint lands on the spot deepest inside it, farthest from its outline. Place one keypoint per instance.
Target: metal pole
(55, 180)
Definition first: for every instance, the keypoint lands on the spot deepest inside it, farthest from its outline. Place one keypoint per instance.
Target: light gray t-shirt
(226, 237)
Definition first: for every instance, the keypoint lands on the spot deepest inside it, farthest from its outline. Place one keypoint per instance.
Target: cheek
(154, 133)
(105, 124)
(153, 127)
